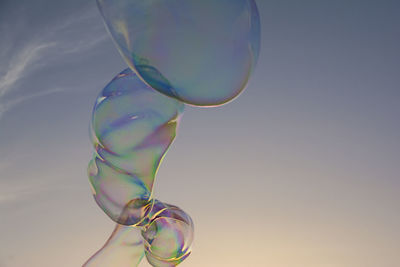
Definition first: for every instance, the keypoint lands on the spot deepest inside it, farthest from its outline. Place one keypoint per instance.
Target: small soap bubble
(200, 52)
(168, 236)
(132, 128)
(165, 238)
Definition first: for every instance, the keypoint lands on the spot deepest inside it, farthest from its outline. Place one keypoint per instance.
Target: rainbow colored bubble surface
(179, 52)
(200, 52)
(168, 235)
(123, 248)
(165, 240)
(132, 128)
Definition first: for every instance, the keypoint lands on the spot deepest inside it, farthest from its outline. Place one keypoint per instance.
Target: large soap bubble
(201, 52)
(132, 127)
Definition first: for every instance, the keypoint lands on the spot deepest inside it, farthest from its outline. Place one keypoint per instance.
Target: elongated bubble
(124, 248)
(201, 52)
(132, 128)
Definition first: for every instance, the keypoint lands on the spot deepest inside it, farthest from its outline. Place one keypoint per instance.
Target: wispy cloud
(58, 42)
(85, 44)
(13, 102)
(24, 63)
(19, 65)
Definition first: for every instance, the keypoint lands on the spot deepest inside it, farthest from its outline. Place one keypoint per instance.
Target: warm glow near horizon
(302, 170)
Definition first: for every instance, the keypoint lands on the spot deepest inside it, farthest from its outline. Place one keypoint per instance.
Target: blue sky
(301, 170)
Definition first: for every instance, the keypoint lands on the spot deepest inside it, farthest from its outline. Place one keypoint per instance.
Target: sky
(301, 170)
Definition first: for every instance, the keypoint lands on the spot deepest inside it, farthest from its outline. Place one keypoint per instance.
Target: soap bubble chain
(179, 51)
(132, 129)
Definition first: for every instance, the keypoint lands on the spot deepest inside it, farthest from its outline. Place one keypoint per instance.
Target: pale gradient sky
(302, 170)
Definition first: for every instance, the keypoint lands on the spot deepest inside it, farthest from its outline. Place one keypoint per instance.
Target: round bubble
(200, 52)
(168, 236)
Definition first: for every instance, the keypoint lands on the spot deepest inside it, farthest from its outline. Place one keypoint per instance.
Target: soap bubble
(132, 128)
(200, 52)
(123, 248)
(168, 235)
(165, 237)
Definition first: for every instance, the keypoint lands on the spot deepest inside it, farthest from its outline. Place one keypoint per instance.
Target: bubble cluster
(200, 52)
(165, 240)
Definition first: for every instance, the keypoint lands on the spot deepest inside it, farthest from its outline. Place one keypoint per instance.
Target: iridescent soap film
(200, 52)
(165, 238)
(124, 248)
(132, 128)
(168, 235)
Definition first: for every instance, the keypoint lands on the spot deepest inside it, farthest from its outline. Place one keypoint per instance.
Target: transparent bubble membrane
(165, 239)
(124, 248)
(132, 128)
(168, 235)
(200, 52)
(179, 51)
